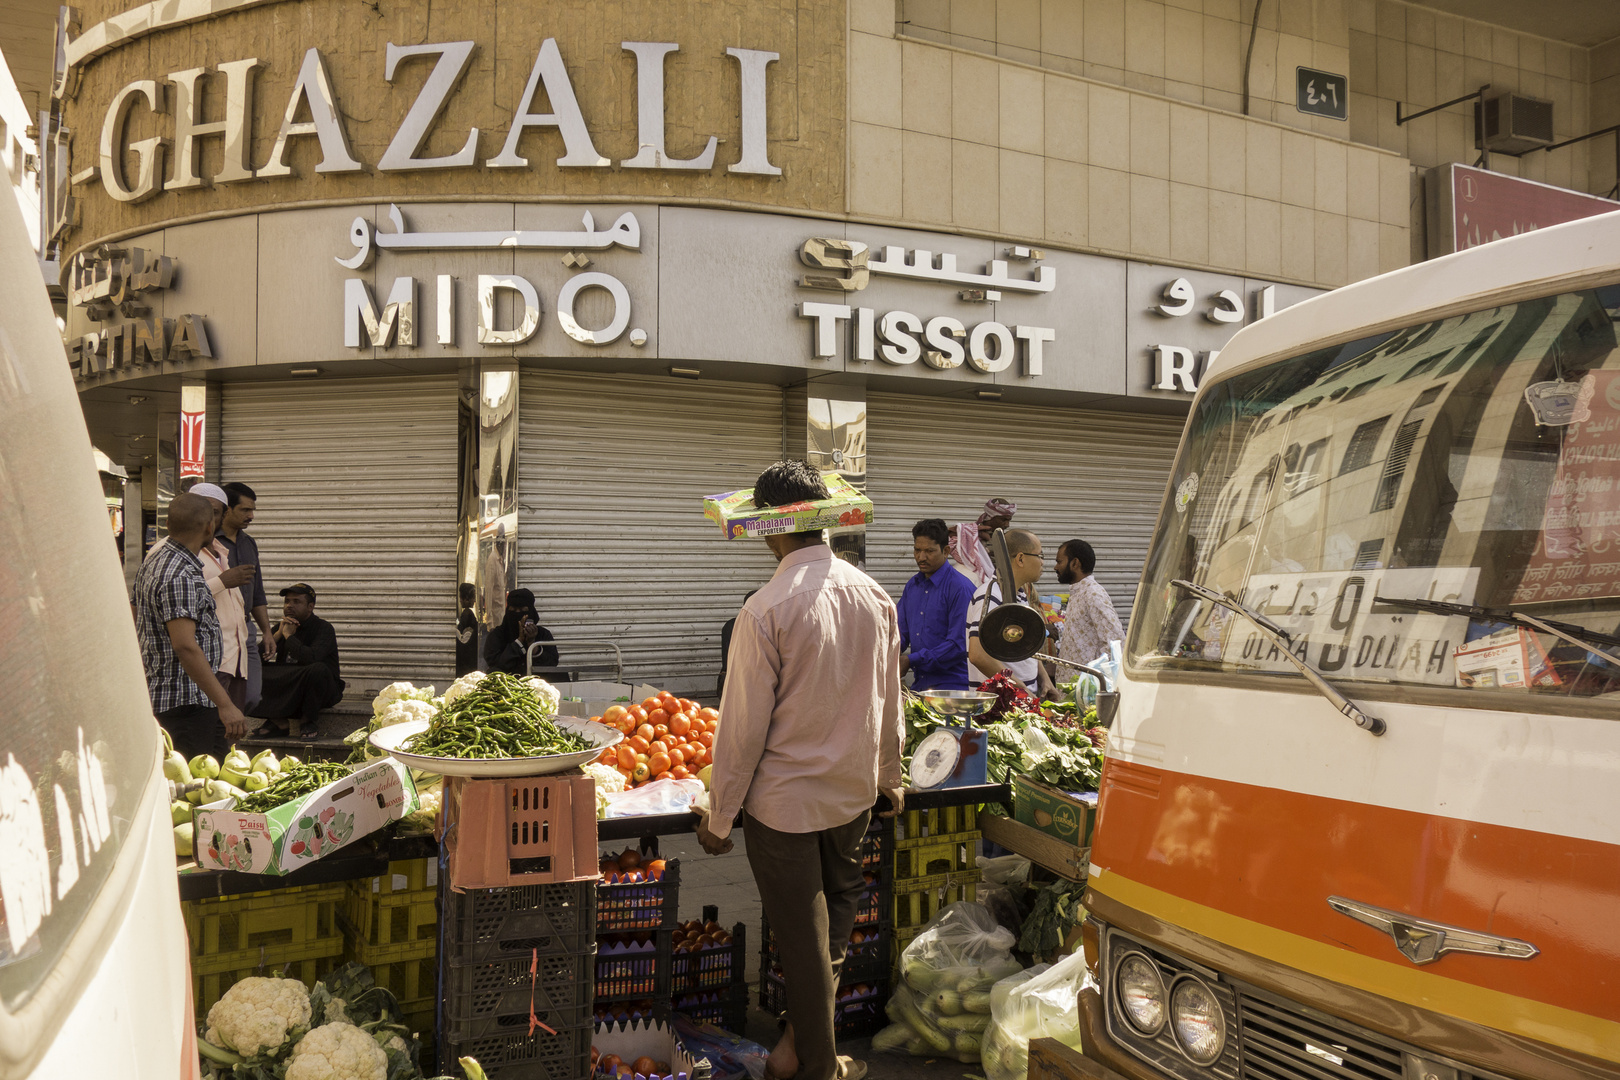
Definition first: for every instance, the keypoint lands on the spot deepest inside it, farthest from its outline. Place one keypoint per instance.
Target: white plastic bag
(1041, 1003)
(1004, 869)
(961, 949)
(664, 796)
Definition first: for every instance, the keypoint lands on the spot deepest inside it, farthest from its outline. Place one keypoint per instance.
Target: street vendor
(933, 610)
(1024, 552)
(970, 541)
(809, 734)
(305, 677)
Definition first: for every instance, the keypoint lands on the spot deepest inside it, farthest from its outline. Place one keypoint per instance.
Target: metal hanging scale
(935, 759)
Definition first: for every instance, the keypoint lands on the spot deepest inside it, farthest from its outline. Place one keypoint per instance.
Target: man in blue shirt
(933, 613)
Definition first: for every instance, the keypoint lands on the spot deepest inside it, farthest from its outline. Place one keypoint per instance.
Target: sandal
(309, 734)
(850, 1069)
(266, 731)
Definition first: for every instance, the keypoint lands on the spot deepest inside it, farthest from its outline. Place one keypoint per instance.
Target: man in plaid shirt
(180, 636)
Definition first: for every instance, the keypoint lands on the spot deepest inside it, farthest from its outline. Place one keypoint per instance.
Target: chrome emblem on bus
(1424, 942)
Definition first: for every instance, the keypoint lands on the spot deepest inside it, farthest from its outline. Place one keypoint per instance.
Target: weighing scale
(951, 756)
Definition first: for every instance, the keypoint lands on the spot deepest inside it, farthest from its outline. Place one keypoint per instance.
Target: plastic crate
(516, 1055)
(710, 970)
(877, 844)
(917, 902)
(725, 1009)
(485, 925)
(852, 1017)
(645, 905)
(929, 843)
(293, 930)
(631, 971)
(494, 998)
(863, 960)
(396, 908)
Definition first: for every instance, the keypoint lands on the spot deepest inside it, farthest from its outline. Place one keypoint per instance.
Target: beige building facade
(499, 276)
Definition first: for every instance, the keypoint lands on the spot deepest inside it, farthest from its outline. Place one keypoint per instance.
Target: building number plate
(1321, 93)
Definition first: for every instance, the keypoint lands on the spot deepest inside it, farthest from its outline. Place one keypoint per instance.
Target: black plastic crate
(852, 1017)
(516, 1055)
(863, 960)
(713, 969)
(726, 1009)
(610, 1012)
(631, 971)
(480, 998)
(485, 925)
(642, 905)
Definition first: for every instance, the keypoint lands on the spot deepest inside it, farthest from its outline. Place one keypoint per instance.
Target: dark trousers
(297, 692)
(810, 885)
(195, 729)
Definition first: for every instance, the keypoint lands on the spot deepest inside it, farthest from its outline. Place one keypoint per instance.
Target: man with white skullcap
(224, 583)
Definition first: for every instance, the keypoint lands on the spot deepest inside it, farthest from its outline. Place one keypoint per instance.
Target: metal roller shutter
(356, 480)
(1097, 476)
(611, 532)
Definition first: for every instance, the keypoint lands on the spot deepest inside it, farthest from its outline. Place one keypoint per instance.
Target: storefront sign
(900, 338)
(1180, 320)
(192, 426)
(1469, 207)
(364, 327)
(118, 282)
(312, 93)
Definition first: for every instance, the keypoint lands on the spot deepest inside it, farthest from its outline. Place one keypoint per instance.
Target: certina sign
(901, 338)
(313, 93)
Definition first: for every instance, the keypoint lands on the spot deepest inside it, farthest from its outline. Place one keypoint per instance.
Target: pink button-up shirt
(810, 720)
(233, 659)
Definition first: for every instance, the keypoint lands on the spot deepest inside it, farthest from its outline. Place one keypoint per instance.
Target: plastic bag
(962, 949)
(665, 796)
(945, 1023)
(1041, 1003)
(1004, 869)
(731, 1057)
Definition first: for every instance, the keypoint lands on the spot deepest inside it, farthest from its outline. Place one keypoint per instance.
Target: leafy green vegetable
(1056, 912)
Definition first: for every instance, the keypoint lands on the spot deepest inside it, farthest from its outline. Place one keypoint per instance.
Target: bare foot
(784, 1060)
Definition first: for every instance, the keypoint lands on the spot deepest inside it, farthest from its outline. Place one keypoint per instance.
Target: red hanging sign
(191, 444)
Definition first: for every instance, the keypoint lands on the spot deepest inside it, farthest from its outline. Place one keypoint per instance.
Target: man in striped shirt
(178, 628)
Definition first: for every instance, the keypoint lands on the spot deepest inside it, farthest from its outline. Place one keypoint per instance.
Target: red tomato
(706, 738)
(637, 743)
(658, 763)
(688, 705)
(680, 724)
(613, 714)
(677, 757)
(657, 716)
(658, 746)
(646, 732)
(660, 730)
(680, 772)
(637, 713)
(707, 714)
(626, 755)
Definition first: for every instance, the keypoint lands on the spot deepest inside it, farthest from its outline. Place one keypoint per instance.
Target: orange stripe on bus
(1273, 857)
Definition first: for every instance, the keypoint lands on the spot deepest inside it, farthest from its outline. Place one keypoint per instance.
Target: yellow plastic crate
(409, 971)
(914, 826)
(916, 903)
(929, 843)
(232, 937)
(396, 908)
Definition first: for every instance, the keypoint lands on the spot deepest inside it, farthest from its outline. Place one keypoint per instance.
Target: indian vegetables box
(296, 833)
(737, 515)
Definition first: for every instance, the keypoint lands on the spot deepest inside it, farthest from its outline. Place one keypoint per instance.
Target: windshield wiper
(1280, 638)
(1575, 635)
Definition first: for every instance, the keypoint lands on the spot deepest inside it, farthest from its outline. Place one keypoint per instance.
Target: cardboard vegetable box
(1062, 814)
(297, 833)
(647, 1038)
(737, 515)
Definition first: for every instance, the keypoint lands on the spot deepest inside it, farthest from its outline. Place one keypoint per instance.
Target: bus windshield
(1472, 463)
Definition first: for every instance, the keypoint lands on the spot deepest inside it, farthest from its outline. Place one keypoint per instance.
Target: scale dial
(935, 759)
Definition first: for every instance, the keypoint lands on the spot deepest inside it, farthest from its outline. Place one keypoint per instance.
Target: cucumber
(974, 1022)
(946, 1003)
(977, 1001)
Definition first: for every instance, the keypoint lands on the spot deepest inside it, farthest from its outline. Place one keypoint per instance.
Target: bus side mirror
(1107, 707)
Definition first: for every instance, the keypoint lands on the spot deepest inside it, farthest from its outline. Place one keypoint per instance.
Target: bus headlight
(1141, 993)
(1197, 1021)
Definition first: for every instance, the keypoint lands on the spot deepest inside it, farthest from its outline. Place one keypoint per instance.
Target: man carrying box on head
(809, 734)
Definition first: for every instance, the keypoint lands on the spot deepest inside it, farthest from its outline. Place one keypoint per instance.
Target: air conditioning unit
(1514, 124)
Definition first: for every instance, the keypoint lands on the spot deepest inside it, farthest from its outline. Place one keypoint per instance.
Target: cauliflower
(608, 781)
(399, 691)
(549, 695)
(461, 686)
(257, 1015)
(403, 711)
(338, 1052)
(335, 1012)
(396, 1042)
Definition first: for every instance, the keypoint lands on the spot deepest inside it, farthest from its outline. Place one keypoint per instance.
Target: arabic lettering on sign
(396, 324)
(312, 93)
(1176, 367)
(111, 282)
(902, 338)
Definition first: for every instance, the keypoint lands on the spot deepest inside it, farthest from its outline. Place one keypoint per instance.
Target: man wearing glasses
(1024, 548)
